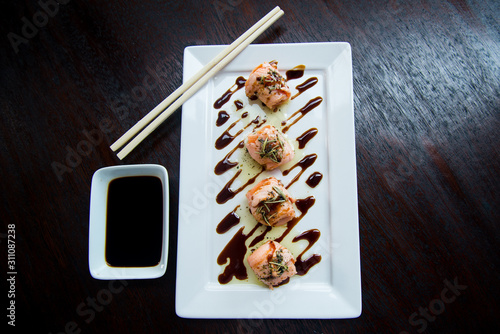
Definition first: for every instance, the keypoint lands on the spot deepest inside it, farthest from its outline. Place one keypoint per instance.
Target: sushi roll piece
(270, 203)
(272, 263)
(268, 147)
(268, 85)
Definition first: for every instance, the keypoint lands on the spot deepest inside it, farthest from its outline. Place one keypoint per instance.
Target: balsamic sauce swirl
(304, 163)
(303, 266)
(313, 103)
(239, 83)
(309, 83)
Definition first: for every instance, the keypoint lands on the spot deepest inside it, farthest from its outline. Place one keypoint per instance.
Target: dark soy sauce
(303, 266)
(313, 103)
(313, 180)
(222, 118)
(239, 83)
(304, 138)
(134, 222)
(295, 73)
(232, 219)
(305, 86)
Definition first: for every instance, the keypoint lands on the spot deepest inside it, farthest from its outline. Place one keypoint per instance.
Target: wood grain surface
(75, 76)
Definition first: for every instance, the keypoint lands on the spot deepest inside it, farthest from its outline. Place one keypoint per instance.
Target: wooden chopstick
(192, 86)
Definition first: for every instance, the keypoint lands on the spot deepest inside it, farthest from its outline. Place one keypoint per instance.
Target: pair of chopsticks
(162, 111)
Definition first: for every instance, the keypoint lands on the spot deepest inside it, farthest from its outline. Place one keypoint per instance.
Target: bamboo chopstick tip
(121, 155)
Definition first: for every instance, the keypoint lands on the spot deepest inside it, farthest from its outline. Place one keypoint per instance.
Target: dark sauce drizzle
(303, 266)
(227, 193)
(295, 73)
(303, 205)
(303, 111)
(222, 118)
(305, 86)
(305, 163)
(235, 252)
(238, 104)
(314, 179)
(304, 138)
(260, 237)
(226, 138)
(239, 83)
(224, 165)
(232, 219)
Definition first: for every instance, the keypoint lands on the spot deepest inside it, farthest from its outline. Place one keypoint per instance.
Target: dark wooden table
(427, 106)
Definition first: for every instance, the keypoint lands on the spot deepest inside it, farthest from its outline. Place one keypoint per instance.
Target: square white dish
(332, 289)
(99, 268)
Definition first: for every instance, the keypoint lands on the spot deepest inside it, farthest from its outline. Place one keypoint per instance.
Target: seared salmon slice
(269, 147)
(270, 203)
(272, 263)
(268, 85)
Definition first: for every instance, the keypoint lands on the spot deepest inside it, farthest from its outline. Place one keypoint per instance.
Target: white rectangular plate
(332, 288)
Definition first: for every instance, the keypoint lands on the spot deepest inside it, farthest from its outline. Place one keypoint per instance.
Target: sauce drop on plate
(303, 266)
(313, 180)
(232, 219)
(222, 118)
(295, 73)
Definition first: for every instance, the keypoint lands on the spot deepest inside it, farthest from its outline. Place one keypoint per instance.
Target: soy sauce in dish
(134, 222)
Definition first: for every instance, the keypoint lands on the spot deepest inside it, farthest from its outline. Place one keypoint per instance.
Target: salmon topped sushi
(270, 203)
(268, 147)
(272, 263)
(268, 85)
